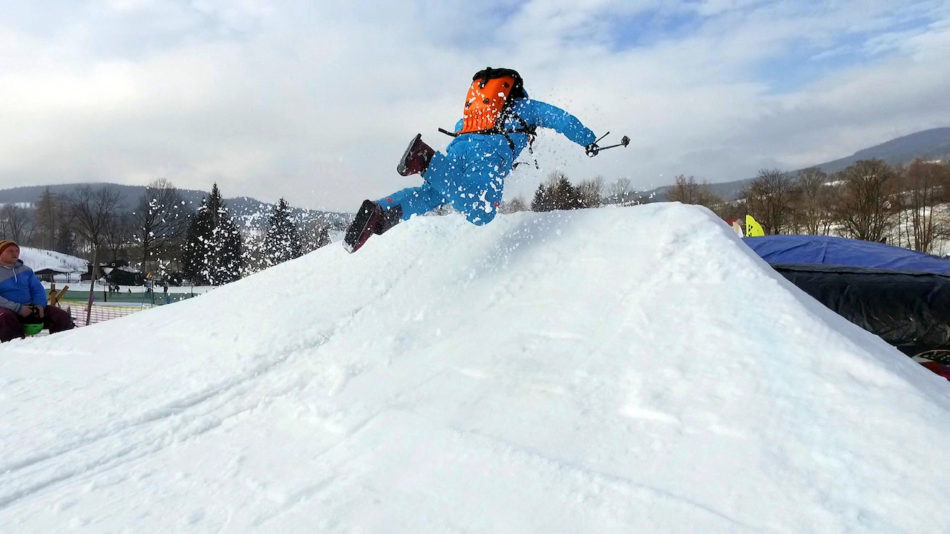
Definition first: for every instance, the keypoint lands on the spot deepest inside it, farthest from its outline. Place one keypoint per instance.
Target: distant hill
(249, 212)
(927, 144)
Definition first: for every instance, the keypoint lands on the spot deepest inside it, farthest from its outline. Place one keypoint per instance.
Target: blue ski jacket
(470, 175)
(19, 286)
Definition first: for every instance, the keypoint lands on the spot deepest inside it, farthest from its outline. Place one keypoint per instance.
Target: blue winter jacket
(19, 287)
(470, 175)
(534, 113)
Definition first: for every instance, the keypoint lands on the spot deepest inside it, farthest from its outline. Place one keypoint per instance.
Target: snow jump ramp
(612, 370)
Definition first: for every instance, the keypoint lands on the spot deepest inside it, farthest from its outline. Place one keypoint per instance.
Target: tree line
(163, 235)
(907, 206)
(559, 193)
(869, 200)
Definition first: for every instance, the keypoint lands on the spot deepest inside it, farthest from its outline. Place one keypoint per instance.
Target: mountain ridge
(249, 211)
(928, 144)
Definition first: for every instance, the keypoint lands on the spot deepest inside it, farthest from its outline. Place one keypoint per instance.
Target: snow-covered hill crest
(39, 259)
(614, 370)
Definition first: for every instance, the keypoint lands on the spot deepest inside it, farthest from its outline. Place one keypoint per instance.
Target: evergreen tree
(314, 233)
(198, 246)
(323, 238)
(231, 251)
(558, 194)
(282, 241)
(566, 196)
(213, 252)
(542, 200)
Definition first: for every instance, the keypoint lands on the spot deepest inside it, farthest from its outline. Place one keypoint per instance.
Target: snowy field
(39, 259)
(84, 287)
(606, 371)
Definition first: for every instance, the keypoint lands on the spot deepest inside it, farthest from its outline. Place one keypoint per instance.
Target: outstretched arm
(548, 116)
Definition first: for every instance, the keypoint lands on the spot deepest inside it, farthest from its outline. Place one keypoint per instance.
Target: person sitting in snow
(23, 298)
(498, 122)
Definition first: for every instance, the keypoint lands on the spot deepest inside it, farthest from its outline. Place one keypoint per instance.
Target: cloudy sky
(315, 100)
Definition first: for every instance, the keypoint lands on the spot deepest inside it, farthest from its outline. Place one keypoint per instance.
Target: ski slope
(605, 371)
(39, 259)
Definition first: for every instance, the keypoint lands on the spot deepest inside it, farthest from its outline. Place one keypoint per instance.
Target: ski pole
(599, 139)
(624, 141)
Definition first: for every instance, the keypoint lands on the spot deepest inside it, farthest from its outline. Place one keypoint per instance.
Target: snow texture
(613, 370)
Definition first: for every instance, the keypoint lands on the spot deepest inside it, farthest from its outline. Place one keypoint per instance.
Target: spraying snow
(612, 370)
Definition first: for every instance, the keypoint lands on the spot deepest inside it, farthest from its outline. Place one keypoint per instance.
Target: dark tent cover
(828, 250)
(910, 310)
(901, 295)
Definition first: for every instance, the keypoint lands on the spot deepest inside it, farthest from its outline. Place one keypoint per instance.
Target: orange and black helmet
(488, 73)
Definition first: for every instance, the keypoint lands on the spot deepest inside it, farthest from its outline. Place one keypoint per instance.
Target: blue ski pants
(470, 176)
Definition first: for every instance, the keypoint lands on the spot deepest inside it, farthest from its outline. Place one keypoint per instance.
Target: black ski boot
(370, 219)
(416, 158)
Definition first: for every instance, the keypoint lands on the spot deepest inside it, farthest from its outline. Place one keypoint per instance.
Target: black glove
(592, 149)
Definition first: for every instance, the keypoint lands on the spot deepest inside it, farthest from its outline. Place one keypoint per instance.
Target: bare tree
(15, 223)
(924, 187)
(811, 197)
(92, 212)
(160, 223)
(768, 198)
(686, 190)
(589, 192)
(727, 210)
(118, 233)
(513, 206)
(865, 203)
(621, 192)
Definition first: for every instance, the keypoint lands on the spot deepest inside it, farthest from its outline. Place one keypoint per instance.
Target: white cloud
(315, 101)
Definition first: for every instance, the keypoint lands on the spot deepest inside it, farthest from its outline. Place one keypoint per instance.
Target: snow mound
(613, 370)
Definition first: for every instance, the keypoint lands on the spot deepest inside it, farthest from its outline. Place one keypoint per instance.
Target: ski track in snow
(620, 484)
(182, 419)
(143, 435)
(154, 430)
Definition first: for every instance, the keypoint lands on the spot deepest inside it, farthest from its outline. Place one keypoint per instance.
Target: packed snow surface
(613, 370)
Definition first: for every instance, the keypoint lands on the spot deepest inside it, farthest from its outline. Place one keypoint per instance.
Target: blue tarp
(840, 251)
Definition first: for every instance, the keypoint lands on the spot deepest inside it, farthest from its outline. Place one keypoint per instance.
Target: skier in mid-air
(498, 122)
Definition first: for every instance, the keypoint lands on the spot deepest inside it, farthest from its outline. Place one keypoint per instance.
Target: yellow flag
(752, 227)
